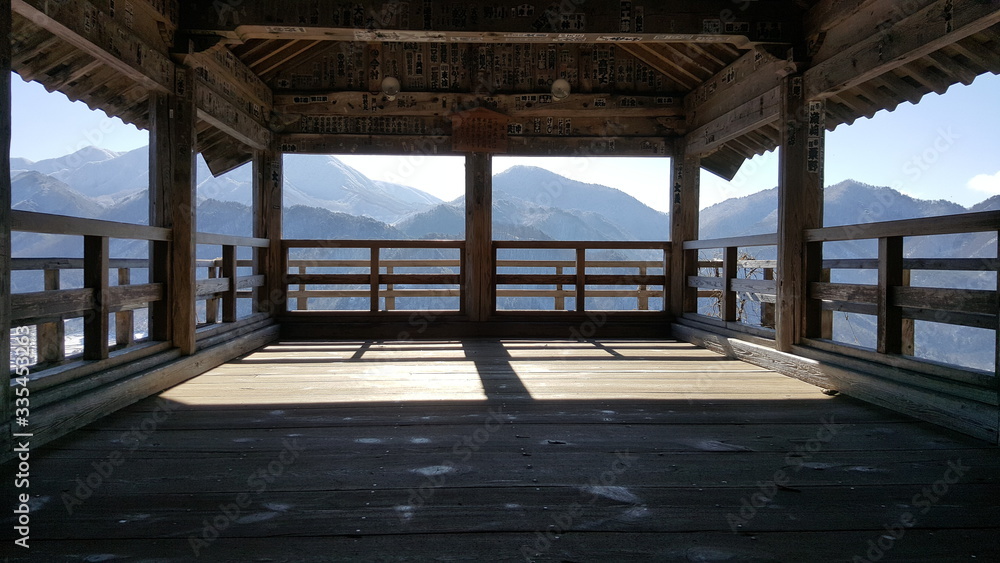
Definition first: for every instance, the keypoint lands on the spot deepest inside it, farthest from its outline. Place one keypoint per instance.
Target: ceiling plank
(665, 67)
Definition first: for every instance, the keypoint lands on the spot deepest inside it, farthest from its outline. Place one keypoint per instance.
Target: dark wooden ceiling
(643, 75)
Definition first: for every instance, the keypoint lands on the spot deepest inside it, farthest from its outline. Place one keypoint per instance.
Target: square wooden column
(685, 182)
(5, 203)
(479, 298)
(172, 204)
(267, 205)
(800, 207)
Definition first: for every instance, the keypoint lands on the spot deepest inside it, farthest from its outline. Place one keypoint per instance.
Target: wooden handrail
(47, 223)
(983, 221)
(739, 242)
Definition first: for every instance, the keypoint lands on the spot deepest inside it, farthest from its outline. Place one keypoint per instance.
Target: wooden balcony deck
(508, 450)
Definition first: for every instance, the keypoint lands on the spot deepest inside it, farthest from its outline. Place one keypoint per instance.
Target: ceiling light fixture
(390, 87)
(560, 89)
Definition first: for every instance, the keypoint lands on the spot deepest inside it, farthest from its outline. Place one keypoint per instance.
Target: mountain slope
(547, 189)
(34, 191)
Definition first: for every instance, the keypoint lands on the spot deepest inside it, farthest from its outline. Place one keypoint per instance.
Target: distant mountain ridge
(326, 199)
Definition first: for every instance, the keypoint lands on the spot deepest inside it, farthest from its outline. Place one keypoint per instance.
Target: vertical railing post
(889, 338)
(124, 320)
(581, 279)
(560, 299)
(390, 301)
(767, 309)
(907, 348)
(730, 262)
(642, 301)
(229, 271)
(51, 336)
(818, 323)
(96, 278)
(374, 266)
(302, 302)
(212, 303)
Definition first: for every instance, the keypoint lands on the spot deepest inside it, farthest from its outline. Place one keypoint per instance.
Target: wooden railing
(98, 299)
(892, 300)
(637, 275)
(385, 282)
(374, 278)
(224, 286)
(109, 288)
(726, 286)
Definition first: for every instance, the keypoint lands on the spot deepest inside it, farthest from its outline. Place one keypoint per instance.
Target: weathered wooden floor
(489, 450)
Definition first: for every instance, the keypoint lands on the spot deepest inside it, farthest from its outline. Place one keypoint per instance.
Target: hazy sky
(947, 147)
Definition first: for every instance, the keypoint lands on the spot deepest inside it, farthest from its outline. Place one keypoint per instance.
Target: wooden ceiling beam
(977, 53)
(952, 68)
(274, 65)
(431, 145)
(752, 75)
(432, 104)
(901, 40)
(739, 121)
(709, 21)
(660, 64)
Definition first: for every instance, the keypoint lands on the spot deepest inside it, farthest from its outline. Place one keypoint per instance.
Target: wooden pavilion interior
(275, 432)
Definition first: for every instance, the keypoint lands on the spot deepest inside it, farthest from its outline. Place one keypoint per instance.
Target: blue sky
(947, 147)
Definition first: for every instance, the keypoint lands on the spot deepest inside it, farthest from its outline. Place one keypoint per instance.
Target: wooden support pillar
(685, 182)
(160, 320)
(270, 261)
(800, 207)
(480, 300)
(172, 204)
(5, 203)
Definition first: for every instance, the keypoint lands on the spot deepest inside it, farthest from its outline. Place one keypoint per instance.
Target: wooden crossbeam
(737, 23)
